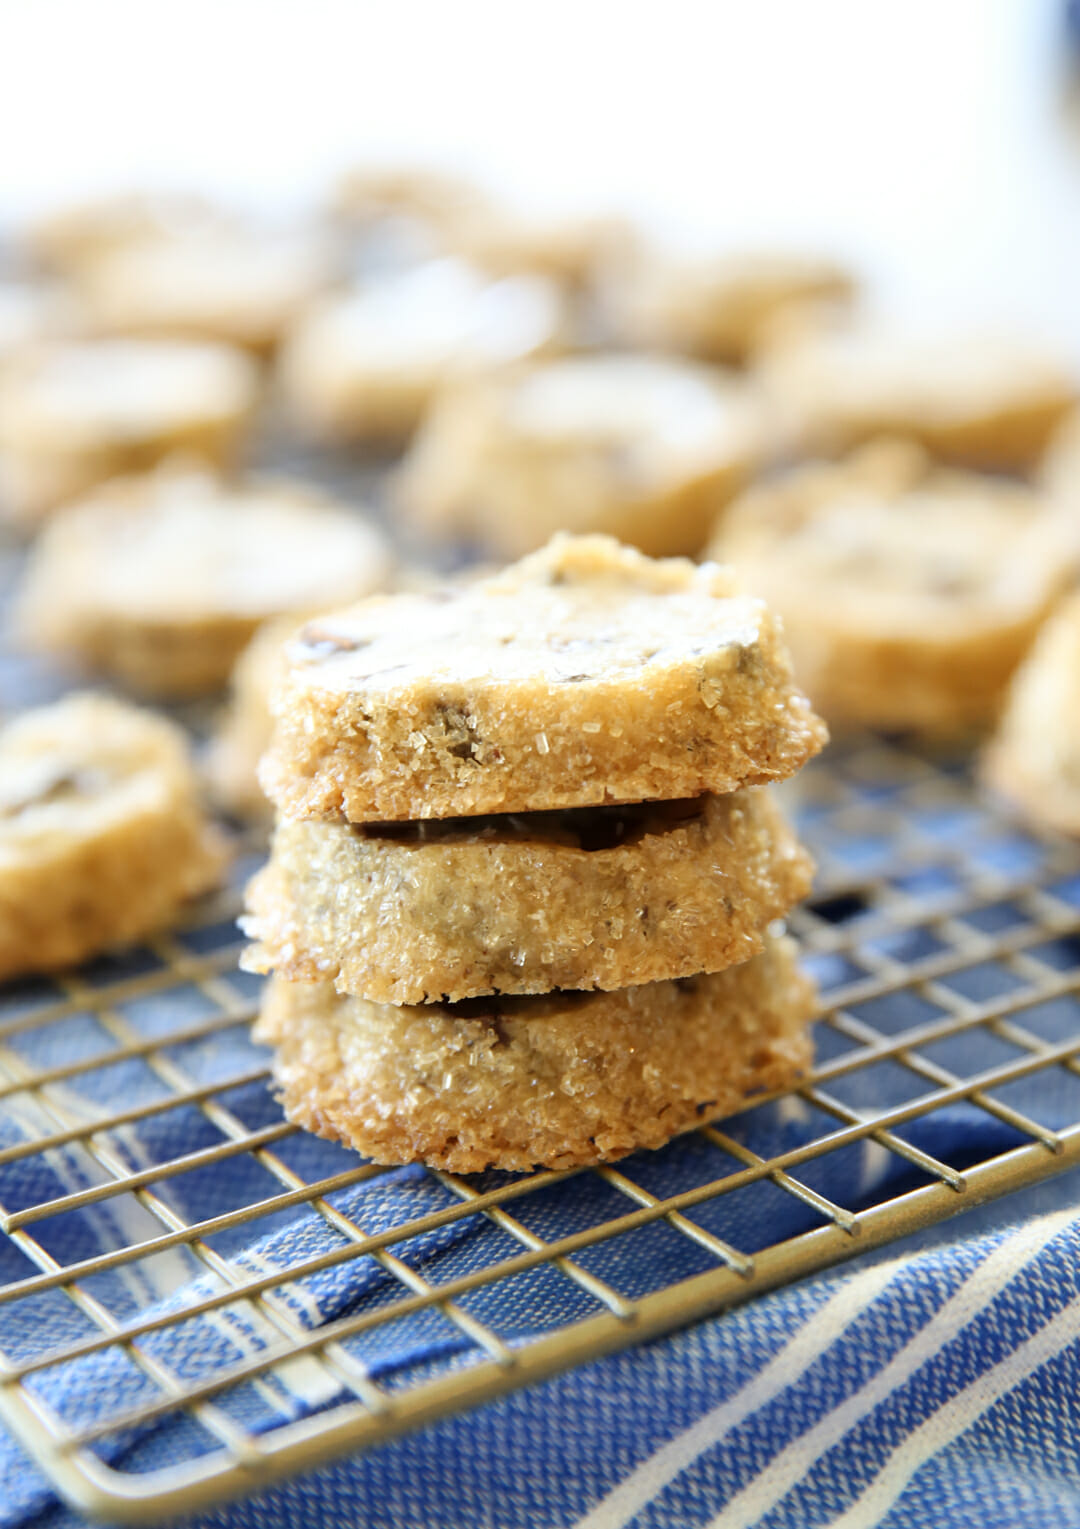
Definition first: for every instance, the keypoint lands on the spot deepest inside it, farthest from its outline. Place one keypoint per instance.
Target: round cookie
(564, 1080)
(71, 238)
(369, 193)
(909, 593)
(224, 283)
(643, 448)
(1034, 757)
(712, 306)
(972, 399)
(597, 897)
(162, 580)
(101, 835)
(570, 250)
(74, 415)
(365, 365)
(585, 674)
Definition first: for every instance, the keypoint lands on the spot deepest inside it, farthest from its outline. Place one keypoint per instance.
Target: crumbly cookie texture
(712, 306)
(594, 897)
(102, 837)
(564, 1080)
(162, 579)
(971, 399)
(75, 414)
(640, 447)
(1034, 757)
(364, 366)
(243, 735)
(585, 674)
(241, 285)
(909, 593)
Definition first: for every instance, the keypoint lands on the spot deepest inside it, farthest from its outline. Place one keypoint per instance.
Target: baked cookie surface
(563, 1080)
(639, 447)
(216, 283)
(72, 415)
(909, 593)
(713, 306)
(101, 835)
(599, 897)
(585, 674)
(1034, 757)
(978, 400)
(365, 365)
(162, 579)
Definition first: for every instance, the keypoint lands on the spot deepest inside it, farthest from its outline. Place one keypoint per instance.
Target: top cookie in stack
(573, 959)
(586, 673)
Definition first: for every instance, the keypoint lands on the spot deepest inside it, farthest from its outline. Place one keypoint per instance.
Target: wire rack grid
(332, 1304)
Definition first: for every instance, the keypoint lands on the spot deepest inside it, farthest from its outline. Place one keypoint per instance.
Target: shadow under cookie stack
(519, 900)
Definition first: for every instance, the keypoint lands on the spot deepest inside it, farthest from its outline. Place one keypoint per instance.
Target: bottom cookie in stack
(562, 1079)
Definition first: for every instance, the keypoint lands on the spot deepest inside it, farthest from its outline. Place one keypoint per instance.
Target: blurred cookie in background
(102, 836)
(369, 194)
(1059, 470)
(448, 214)
(646, 448)
(230, 282)
(74, 414)
(33, 311)
(1033, 759)
(71, 237)
(909, 592)
(363, 366)
(161, 580)
(974, 399)
(715, 306)
(244, 733)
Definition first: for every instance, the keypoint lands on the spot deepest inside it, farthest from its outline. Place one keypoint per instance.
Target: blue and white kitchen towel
(938, 1384)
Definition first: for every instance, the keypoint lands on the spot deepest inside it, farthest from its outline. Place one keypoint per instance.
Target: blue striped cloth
(935, 1384)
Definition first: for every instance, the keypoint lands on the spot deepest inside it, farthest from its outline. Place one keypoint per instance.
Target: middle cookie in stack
(521, 883)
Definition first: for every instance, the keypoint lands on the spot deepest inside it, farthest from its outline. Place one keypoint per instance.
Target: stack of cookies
(519, 901)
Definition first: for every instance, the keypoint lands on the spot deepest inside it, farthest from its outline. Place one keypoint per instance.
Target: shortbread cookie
(365, 366)
(712, 306)
(974, 399)
(244, 734)
(640, 447)
(161, 580)
(909, 593)
(70, 239)
(101, 835)
(369, 193)
(1034, 758)
(593, 897)
(506, 241)
(73, 415)
(224, 283)
(585, 674)
(563, 1080)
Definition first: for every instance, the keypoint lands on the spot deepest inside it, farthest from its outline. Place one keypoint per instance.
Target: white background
(928, 139)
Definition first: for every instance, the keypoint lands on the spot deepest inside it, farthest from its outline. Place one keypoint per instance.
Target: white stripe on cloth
(958, 1415)
(798, 1354)
(987, 1281)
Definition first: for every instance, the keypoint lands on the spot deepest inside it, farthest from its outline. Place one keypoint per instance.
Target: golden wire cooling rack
(316, 1304)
